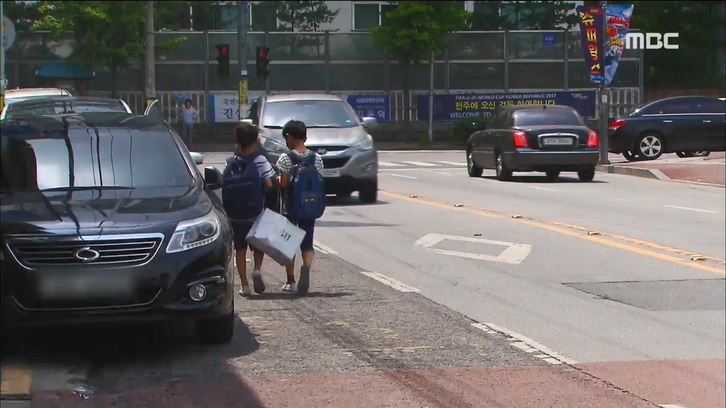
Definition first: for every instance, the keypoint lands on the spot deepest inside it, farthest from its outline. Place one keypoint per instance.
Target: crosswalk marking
(389, 164)
(419, 164)
(452, 163)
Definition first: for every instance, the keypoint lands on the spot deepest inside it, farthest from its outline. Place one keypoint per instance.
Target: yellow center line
(15, 380)
(560, 228)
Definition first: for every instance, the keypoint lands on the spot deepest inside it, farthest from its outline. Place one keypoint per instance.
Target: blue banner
(618, 24)
(374, 106)
(448, 108)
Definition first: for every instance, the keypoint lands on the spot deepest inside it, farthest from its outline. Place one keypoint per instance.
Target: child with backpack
(246, 177)
(301, 179)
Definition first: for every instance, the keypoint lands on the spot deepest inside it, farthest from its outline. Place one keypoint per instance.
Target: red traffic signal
(263, 61)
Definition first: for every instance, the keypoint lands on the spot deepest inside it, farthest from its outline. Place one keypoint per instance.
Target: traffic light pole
(149, 66)
(604, 97)
(243, 17)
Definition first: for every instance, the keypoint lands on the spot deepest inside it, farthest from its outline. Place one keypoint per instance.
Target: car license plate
(557, 141)
(330, 172)
(79, 288)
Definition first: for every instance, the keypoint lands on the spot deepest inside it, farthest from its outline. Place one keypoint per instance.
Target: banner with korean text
(590, 19)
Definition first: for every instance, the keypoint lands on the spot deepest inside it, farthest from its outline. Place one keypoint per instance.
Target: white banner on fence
(224, 106)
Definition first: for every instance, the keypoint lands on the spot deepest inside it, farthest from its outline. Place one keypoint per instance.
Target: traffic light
(263, 60)
(223, 60)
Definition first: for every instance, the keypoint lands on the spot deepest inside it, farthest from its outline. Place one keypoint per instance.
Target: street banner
(224, 106)
(618, 20)
(450, 108)
(373, 106)
(590, 20)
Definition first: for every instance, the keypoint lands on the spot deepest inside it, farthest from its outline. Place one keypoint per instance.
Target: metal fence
(623, 100)
(488, 61)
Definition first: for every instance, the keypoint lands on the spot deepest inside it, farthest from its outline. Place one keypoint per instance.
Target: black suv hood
(102, 211)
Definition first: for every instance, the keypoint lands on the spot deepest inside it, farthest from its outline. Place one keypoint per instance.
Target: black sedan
(686, 125)
(106, 218)
(544, 138)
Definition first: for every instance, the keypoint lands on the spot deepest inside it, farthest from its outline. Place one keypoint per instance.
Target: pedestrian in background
(189, 116)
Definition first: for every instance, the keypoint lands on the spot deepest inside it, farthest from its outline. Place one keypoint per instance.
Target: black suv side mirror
(213, 178)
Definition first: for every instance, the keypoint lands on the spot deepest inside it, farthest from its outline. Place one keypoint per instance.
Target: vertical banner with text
(618, 20)
(590, 19)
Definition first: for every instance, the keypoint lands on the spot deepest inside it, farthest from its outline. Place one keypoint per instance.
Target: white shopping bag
(276, 236)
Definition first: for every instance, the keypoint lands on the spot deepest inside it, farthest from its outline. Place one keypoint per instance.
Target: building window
(366, 16)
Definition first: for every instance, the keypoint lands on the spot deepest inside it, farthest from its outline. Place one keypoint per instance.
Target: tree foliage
(416, 29)
(307, 16)
(107, 33)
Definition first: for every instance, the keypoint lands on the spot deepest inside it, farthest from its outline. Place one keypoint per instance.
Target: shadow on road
(292, 296)
(544, 179)
(159, 365)
(333, 201)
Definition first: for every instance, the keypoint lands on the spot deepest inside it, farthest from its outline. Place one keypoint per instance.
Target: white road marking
(440, 173)
(402, 176)
(544, 189)
(526, 344)
(418, 170)
(322, 248)
(419, 164)
(691, 209)
(670, 406)
(390, 282)
(512, 254)
(389, 164)
(452, 163)
(619, 199)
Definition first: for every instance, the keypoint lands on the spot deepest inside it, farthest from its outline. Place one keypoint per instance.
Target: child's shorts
(309, 227)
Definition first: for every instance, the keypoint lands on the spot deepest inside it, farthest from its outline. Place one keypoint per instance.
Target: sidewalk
(353, 342)
(705, 170)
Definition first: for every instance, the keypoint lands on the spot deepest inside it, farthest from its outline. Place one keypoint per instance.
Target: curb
(653, 174)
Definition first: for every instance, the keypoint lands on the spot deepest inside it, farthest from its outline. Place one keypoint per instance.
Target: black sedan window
(35, 160)
(59, 107)
(539, 117)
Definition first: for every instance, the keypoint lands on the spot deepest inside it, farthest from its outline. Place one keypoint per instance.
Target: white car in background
(22, 94)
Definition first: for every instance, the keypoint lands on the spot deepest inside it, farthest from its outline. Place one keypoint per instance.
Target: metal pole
(2, 56)
(149, 57)
(206, 75)
(243, 22)
(267, 80)
(604, 102)
(431, 99)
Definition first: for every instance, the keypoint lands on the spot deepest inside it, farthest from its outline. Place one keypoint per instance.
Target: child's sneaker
(290, 287)
(257, 282)
(304, 282)
(245, 291)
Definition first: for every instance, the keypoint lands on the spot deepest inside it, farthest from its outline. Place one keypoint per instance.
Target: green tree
(415, 29)
(107, 33)
(304, 16)
(22, 14)
(701, 27)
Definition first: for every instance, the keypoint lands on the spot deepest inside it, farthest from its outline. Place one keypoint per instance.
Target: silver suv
(334, 132)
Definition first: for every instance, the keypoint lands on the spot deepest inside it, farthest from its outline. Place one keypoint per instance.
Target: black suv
(106, 217)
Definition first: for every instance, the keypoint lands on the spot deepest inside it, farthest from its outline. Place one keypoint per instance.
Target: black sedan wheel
(552, 175)
(503, 173)
(682, 154)
(630, 156)
(471, 166)
(650, 146)
(217, 330)
(700, 153)
(586, 175)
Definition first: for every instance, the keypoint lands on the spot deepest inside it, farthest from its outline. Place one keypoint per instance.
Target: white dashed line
(389, 164)
(670, 406)
(390, 282)
(690, 209)
(323, 249)
(452, 163)
(619, 199)
(544, 189)
(440, 173)
(402, 176)
(526, 344)
(419, 164)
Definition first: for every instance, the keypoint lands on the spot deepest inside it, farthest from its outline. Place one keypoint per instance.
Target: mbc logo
(651, 41)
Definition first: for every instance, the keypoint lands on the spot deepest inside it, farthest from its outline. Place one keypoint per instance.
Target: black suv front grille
(121, 252)
(335, 162)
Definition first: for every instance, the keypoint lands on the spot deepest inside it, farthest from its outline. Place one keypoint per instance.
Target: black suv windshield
(539, 117)
(322, 114)
(89, 158)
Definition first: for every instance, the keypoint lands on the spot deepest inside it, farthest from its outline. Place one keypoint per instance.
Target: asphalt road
(450, 292)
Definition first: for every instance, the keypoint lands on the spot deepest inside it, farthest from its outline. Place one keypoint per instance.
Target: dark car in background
(61, 105)
(685, 125)
(334, 132)
(107, 218)
(544, 138)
